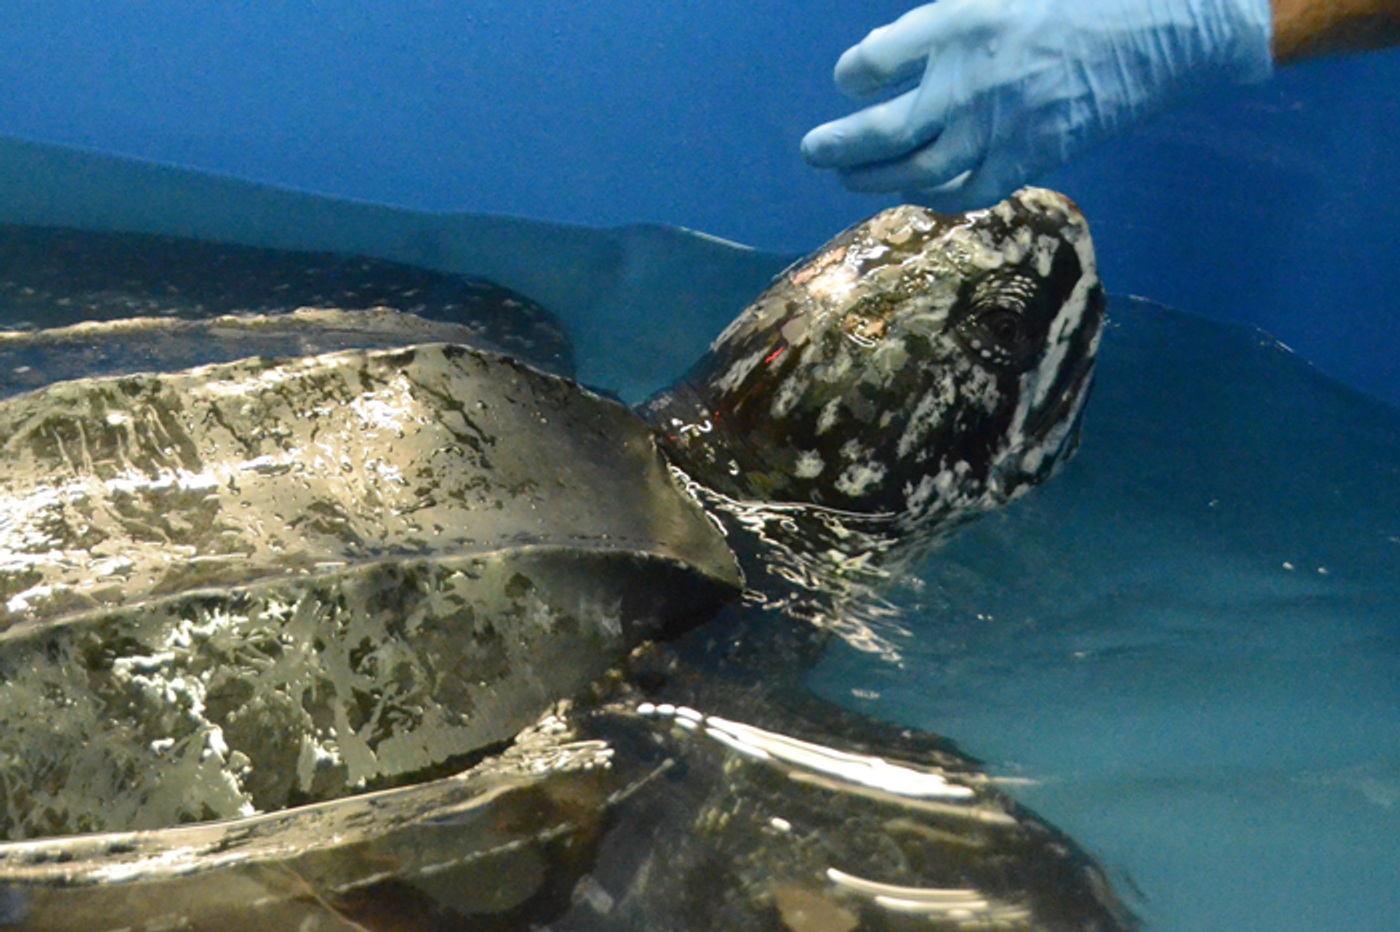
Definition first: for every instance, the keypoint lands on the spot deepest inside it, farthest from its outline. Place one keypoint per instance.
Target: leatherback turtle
(333, 618)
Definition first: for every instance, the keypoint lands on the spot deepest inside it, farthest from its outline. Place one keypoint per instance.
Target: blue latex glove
(1012, 89)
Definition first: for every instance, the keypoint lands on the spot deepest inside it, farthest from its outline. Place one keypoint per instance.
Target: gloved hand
(1012, 89)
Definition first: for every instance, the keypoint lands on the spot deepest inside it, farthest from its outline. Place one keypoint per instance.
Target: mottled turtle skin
(401, 632)
(919, 367)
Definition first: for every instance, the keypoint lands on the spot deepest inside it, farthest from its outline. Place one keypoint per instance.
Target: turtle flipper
(745, 828)
(492, 847)
(631, 815)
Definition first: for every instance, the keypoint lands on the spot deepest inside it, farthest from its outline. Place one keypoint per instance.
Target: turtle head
(921, 366)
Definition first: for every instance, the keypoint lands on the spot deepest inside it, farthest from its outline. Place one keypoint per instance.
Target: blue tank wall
(1276, 204)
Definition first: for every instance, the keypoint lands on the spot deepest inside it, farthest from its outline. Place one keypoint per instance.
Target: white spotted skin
(809, 464)
(735, 375)
(856, 478)
(921, 367)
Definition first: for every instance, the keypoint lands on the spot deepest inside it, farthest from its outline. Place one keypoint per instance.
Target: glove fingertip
(855, 74)
(817, 147)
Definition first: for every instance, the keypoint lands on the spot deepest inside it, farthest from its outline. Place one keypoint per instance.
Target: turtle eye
(999, 337)
(1004, 326)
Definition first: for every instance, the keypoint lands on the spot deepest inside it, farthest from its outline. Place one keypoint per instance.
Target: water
(1187, 645)
(1220, 727)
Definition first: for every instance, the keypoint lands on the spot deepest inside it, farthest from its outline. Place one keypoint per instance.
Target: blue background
(1275, 205)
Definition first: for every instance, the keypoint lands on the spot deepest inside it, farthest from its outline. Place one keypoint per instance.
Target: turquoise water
(1189, 646)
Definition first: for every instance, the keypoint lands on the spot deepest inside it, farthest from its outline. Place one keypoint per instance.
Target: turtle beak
(1079, 385)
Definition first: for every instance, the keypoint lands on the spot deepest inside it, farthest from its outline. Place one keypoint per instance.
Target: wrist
(1310, 28)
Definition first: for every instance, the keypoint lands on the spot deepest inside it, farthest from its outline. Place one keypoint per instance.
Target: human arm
(1009, 90)
(1310, 28)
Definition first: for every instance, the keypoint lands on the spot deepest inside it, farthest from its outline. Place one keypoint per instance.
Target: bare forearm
(1309, 28)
